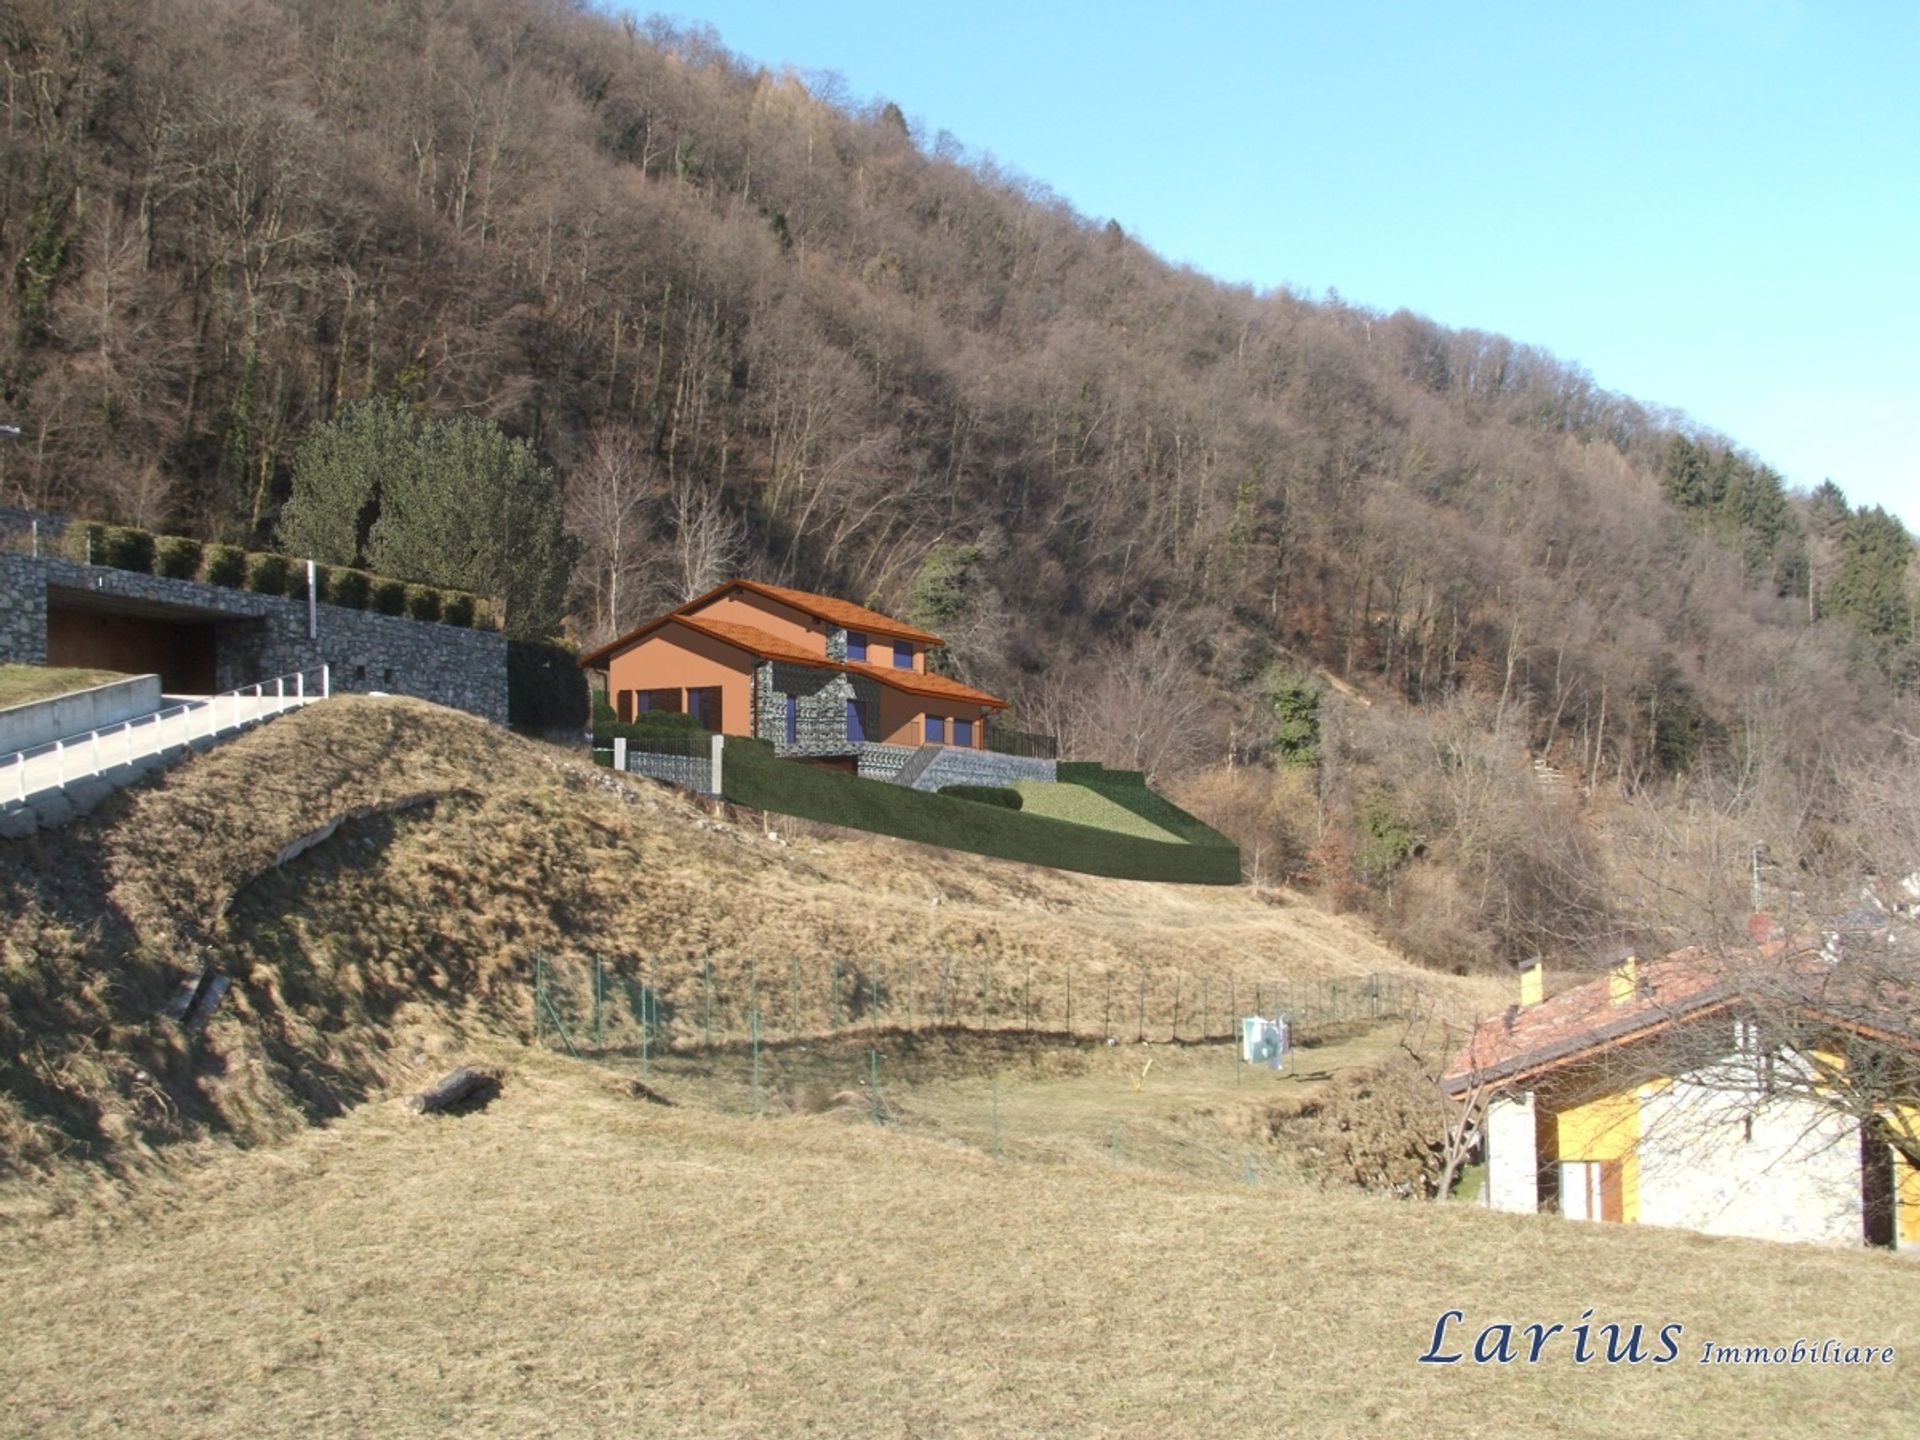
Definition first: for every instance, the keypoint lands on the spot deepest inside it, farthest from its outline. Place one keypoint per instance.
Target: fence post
(599, 990)
(1143, 1006)
(996, 1117)
(1177, 977)
(646, 1022)
(706, 972)
(620, 753)
(753, 1019)
(1069, 1000)
(1106, 1014)
(539, 1020)
(326, 681)
(873, 1083)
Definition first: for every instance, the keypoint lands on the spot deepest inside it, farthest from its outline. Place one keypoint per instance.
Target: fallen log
(469, 1088)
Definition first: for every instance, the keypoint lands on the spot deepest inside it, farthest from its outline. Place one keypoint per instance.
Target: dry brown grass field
(573, 1261)
(245, 1233)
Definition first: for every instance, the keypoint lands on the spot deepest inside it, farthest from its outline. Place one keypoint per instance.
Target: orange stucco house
(817, 676)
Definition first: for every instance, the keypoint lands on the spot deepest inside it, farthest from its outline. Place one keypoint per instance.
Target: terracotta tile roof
(916, 682)
(843, 613)
(756, 641)
(1525, 1041)
(752, 638)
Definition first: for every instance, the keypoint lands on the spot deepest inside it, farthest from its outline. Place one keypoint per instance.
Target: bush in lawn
(349, 589)
(176, 557)
(458, 610)
(129, 549)
(224, 565)
(423, 603)
(999, 795)
(87, 542)
(267, 574)
(389, 597)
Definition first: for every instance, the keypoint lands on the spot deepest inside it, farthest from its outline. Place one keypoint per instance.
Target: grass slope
(574, 1262)
(21, 684)
(408, 934)
(1083, 806)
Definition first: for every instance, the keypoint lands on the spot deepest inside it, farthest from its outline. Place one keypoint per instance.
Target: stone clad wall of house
(1718, 1157)
(257, 637)
(820, 718)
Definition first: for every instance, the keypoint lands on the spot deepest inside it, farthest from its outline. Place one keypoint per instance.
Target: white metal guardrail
(59, 763)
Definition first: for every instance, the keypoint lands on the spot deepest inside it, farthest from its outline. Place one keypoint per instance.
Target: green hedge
(176, 557)
(752, 775)
(268, 574)
(129, 549)
(546, 688)
(349, 589)
(423, 603)
(985, 795)
(389, 597)
(224, 565)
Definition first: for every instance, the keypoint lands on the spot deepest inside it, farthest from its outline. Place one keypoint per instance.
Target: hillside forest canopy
(1424, 618)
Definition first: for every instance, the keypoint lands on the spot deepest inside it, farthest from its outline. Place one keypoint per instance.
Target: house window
(665, 700)
(936, 729)
(793, 719)
(856, 726)
(624, 706)
(703, 703)
(902, 656)
(963, 733)
(856, 645)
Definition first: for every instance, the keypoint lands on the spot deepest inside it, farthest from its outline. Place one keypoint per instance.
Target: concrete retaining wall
(40, 721)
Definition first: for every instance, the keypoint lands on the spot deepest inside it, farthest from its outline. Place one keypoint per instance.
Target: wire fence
(979, 1051)
(591, 1003)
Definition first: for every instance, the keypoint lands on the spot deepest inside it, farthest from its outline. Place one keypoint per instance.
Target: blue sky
(1712, 205)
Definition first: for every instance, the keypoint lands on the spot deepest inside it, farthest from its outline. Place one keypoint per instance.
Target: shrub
(1000, 795)
(423, 603)
(224, 565)
(267, 574)
(129, 549)
(458, 610)
(389, 597)
(349, 589)
(546, 689)
(176, 557)
(88, 542)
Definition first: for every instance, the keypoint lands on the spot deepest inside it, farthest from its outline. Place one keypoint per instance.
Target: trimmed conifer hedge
(1003, 796)
(753, 775)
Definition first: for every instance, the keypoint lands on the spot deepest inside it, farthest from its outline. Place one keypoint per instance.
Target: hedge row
(176, 557)
(752, 775)
(1001, 795)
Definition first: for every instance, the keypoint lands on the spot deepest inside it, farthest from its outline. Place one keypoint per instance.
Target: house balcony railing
(1005, 740)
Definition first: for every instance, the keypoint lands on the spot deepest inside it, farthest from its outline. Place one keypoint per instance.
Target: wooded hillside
(756, 325)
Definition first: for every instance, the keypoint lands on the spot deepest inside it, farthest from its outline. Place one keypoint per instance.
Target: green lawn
(22, 683)
(1086, 807)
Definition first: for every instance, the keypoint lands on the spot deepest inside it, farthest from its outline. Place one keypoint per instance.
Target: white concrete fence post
(620, 753)
(719, 748)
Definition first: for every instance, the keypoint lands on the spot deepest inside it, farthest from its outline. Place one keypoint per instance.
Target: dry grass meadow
(245, 1233)
(574, 1261)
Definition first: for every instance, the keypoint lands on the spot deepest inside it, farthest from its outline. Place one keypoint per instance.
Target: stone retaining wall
(259, 636)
